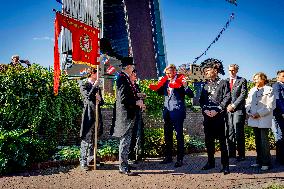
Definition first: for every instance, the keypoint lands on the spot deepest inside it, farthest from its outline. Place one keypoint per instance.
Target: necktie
(231, 83)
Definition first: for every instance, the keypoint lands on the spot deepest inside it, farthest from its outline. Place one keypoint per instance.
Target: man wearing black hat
(214, 99)
(126, 105)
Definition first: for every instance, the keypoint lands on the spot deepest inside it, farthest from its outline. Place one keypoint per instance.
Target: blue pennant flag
(59, 1)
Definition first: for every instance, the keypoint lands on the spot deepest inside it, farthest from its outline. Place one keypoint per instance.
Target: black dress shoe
(166, 160)
(178, 163)
(208, 166)
(241, 158)
(128, 173)
(225, 170)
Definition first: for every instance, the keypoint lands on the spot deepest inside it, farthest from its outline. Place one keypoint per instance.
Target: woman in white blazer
(259, 107)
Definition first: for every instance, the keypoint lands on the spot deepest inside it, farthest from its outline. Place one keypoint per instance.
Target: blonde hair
(262, 76)
(170, 66)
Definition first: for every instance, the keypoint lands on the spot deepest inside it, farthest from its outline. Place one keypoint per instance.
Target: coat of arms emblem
(86, 43)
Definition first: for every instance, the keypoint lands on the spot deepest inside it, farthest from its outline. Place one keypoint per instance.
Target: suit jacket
(239, 94)
(215, 95)
(125, 105)
(278, 89)
(261, 101)
(88, 91)
(175, 103)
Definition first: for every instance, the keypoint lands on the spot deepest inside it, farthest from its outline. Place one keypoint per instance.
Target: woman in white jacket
(259, 106)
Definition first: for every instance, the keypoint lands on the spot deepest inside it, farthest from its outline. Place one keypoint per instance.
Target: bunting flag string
(232, 2)
(217, 38)
(59, 1)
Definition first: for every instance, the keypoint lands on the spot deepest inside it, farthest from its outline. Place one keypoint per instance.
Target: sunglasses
(134, 71)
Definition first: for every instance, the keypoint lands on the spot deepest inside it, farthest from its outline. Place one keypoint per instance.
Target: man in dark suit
(236, 114)
(137, 141)
(174, 88)
(214, 99)
(91, 93)
(278, 113)
(126, 105)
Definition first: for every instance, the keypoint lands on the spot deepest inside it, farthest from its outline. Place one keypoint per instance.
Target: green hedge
(32, 120)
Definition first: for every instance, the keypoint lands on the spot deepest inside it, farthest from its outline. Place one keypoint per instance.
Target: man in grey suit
(236, 114)
(126, 106)
(92, 95)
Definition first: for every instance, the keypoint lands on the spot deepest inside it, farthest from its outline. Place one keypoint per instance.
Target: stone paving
(153, 175)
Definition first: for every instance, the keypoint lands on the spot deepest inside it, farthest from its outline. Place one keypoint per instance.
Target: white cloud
(44, 38)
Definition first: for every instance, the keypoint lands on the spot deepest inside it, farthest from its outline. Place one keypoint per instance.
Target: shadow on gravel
(194, 163)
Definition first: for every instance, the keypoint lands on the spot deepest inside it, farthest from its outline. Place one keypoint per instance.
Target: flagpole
(97, 102)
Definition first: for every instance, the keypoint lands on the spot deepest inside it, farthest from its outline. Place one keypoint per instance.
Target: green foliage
(250, 85)
(18, 149)
(108, 148)
(193, 145)
(27, 103)
(153, 102)
(275, 186)
(155, 144)
(250, 139)
(109, 100)
(68, 153)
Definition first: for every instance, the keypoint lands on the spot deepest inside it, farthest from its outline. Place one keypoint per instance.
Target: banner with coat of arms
(85, 44)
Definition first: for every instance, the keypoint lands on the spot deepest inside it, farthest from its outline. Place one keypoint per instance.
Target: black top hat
(125, 61)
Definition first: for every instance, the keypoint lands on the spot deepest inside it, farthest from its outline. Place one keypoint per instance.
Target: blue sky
(254, 40)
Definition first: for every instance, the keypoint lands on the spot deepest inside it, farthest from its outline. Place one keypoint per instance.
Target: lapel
(238, 79)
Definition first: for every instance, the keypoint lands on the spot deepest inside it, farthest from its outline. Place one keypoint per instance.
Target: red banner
(85, 47)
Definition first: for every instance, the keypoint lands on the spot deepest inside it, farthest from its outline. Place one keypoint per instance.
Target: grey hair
(15, 56)
(236, 66)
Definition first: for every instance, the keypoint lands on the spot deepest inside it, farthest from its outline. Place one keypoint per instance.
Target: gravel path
(152, 175)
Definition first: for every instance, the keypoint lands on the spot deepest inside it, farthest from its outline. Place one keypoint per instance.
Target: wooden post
(96, 126)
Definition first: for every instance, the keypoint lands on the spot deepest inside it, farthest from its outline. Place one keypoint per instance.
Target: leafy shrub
(68, 153)
(109, 100)
(18, 150)
(32, 120)
(108, 148)
(155, 143)
(250, 139)
(193, 145)
(275, 186)
(153, 102)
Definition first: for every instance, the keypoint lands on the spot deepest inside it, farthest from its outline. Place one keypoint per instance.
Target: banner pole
(97, 102)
